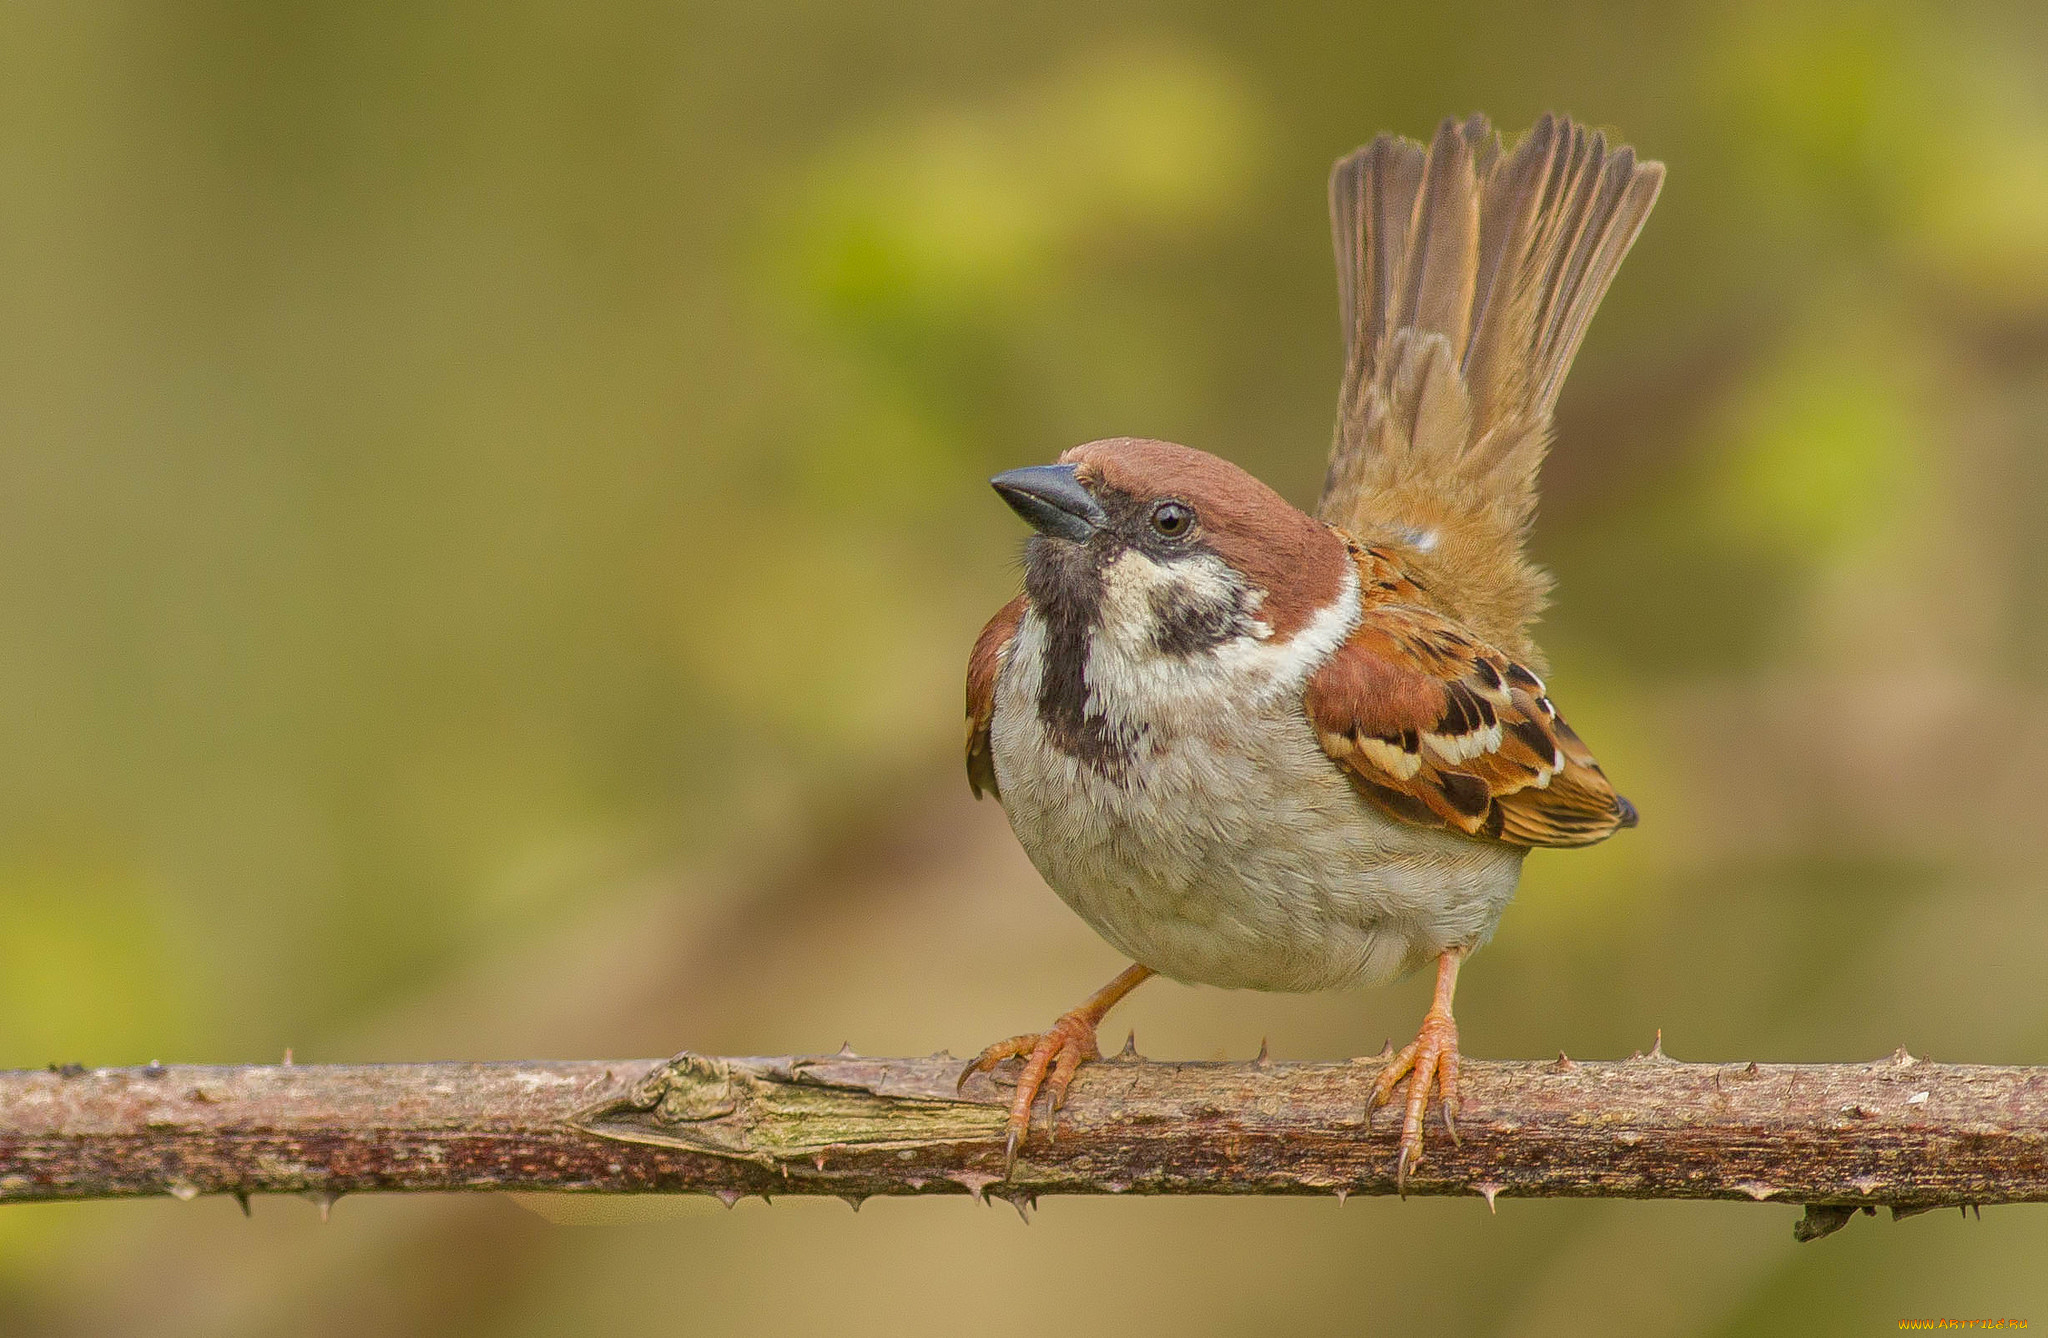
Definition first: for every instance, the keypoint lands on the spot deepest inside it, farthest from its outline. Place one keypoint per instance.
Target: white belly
(1240, 857)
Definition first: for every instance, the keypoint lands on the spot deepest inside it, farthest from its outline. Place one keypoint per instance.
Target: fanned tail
(1467, 277)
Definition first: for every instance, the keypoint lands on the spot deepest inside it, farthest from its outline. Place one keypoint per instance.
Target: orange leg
(1430, 1059)
(1068, 1045)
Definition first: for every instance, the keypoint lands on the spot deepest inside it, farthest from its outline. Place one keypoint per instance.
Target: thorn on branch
(1822, 1219)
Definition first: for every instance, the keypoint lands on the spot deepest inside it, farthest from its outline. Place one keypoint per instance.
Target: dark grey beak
(1052, 499)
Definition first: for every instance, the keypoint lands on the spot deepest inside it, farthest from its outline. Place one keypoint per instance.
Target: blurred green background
(492, 516)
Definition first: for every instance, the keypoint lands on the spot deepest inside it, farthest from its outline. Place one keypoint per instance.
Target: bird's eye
(1172, 519)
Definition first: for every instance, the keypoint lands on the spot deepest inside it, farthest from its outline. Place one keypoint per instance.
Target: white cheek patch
(1128, 585)
(1133, 585)
(1132, 683)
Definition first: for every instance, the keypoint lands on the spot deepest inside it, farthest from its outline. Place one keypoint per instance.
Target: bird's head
(1167, 551)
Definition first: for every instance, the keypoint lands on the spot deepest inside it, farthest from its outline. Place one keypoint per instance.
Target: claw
(1428, 1061)
(1050, 1062)
(1068, 1063)
(1447, 1085)
(1049, 1068)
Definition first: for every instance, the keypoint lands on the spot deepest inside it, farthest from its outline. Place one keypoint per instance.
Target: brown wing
(1440, 729)
(982, 665)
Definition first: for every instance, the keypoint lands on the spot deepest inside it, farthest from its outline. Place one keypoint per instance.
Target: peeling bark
(1899, 1133)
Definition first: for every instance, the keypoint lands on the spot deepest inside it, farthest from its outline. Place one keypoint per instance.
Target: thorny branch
(1900, 1132)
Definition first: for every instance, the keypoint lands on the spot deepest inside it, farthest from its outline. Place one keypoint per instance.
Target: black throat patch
(1064, 581)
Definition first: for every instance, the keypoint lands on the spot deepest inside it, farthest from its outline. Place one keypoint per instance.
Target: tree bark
(1900, 1133)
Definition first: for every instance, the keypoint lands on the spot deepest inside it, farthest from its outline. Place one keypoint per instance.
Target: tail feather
(1467, 277)
(1437, 271)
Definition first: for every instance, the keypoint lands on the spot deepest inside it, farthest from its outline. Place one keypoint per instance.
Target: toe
(1050, 1061)
(1447, 1086)
(994, 1055)
(1056, 1085)
(1429, 1064)
(1419, 1084)
(1389, 1078)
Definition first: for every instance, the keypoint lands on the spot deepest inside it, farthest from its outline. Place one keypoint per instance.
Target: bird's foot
(1430, 1059)
(1050, 1061)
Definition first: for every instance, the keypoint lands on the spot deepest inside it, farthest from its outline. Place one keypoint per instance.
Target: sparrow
(1259, 749)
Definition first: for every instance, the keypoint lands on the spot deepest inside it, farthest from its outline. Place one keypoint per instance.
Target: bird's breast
(1223, 845)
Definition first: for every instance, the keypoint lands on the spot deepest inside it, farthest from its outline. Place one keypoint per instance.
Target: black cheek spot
(1184, 625)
